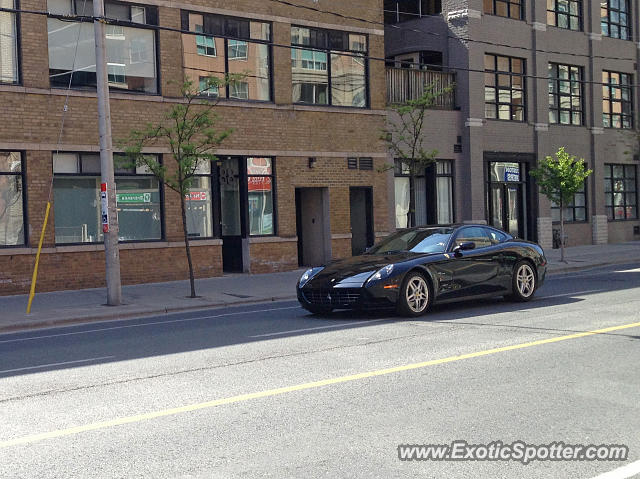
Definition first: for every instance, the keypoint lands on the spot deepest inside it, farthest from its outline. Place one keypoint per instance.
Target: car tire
(523, 282)
(315, 309)
(415, 295)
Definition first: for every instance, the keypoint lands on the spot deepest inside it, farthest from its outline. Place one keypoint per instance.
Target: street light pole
(107, 189)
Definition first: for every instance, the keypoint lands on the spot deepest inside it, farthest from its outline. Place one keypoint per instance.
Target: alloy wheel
(526, 280)
(417, 294)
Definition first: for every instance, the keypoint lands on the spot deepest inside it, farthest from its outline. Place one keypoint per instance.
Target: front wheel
(523, 282)
(415, 296)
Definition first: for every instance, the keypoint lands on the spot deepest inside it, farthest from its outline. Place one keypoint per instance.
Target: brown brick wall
(31, 117)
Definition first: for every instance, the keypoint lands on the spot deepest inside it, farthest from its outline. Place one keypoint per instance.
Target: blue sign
(511, 173)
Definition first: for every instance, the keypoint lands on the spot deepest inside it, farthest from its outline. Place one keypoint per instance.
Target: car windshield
(427, 240)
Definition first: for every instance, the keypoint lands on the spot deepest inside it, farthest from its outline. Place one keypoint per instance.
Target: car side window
(476, 234)
(495, 236)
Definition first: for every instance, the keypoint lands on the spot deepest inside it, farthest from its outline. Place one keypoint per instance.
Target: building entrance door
(312, 226)
(232, 220)
(361, 212)
(507, 198)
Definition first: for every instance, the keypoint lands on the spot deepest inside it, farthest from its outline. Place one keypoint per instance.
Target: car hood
(354, 271)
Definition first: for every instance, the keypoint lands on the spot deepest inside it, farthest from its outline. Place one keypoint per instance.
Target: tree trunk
(561, 232)
(411, 215)
(186, 245)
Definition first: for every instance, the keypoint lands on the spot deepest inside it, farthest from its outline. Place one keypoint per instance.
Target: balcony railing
(409, 84)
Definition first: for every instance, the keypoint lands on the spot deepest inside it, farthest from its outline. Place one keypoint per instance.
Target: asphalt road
(270, 391)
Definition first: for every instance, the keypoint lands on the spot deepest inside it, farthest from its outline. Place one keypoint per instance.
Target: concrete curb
(141, 313)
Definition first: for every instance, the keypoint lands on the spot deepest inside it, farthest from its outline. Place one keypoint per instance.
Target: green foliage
(404, 133)
(190, 131)
(561, 177)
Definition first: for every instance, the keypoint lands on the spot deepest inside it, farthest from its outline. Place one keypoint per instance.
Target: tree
(559, 179)
(190, 130)
(405, 137)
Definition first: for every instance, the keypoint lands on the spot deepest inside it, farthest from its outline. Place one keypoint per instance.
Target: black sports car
(416, 267)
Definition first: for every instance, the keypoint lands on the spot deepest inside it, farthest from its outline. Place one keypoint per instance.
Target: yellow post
(32, 293)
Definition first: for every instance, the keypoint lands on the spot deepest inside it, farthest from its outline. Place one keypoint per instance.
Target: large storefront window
(226, 45)
(332, 70)
(433, 193)
(8, 44)
(11, 199)
(260, 196)
(131, 49)
(76, 188)
(575, 211)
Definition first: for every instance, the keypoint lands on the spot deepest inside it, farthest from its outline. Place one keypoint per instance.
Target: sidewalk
(145, 299)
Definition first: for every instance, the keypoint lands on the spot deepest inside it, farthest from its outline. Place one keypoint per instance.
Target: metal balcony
(405, 84)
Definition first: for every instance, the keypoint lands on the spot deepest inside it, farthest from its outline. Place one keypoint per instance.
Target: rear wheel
(523, 282)
(315, 309)
(415, 296)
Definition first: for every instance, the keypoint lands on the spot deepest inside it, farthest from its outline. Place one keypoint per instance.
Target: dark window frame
(571, 207)
(322, 43)
(557, 94)
(222, 24)
(556, 13)
(23, 179)
(394, 15)
(611, 180)
(116, 176)
(17, 46)
(609, 97)
(606, 22)
(490, 7)
(495, 74)
(151, 23)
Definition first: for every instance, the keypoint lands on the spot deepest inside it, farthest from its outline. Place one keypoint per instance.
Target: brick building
(530, 77)
(298, 181)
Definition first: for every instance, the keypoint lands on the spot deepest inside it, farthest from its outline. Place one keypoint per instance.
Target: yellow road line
(298, 387)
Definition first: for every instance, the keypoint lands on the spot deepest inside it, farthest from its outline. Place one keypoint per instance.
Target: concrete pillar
(545, 232)
(600, 229)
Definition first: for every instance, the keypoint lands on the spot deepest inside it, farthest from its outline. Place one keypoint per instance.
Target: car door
(477, 271)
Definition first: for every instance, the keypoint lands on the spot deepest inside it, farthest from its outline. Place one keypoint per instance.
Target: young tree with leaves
(405, 137)
(190, 130)
(559, 179)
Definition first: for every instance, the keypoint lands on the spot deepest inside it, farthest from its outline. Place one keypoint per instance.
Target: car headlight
(382, 273)
(307, 275)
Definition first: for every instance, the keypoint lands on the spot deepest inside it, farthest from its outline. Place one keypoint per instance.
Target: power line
(435, 34)
(114, 21)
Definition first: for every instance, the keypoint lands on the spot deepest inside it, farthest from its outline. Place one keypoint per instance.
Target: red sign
(259, 183)
(196, 196)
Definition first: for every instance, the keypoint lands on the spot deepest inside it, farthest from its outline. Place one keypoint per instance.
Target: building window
(12, 231)
(76, 200)
(332, 70)
(131, 50)
(433, 193)
(504, 90)
(575, 211)
(225, 46)
(207, 89)
(260, 196)
(205, 45)
(8, 44)
(199, 203)
(396, 11)
(617, 101)
(620, 191)
(565, 14)
(565, 94)
(504, 8)
(615, 18)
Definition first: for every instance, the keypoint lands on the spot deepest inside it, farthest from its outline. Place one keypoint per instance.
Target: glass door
(506, 188)
(231, 218)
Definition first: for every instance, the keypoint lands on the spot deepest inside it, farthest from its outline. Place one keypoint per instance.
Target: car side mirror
(466, 246)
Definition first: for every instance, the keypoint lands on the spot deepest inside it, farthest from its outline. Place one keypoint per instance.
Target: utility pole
(108, 187)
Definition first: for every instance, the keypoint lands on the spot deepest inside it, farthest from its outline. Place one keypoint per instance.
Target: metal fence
(409, 84)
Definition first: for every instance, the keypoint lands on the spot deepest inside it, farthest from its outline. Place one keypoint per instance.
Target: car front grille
(333, 297)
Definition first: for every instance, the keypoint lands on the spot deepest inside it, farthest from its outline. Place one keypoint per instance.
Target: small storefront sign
(129, 198)
(259, 183)
(511, 173)
(196, 196)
